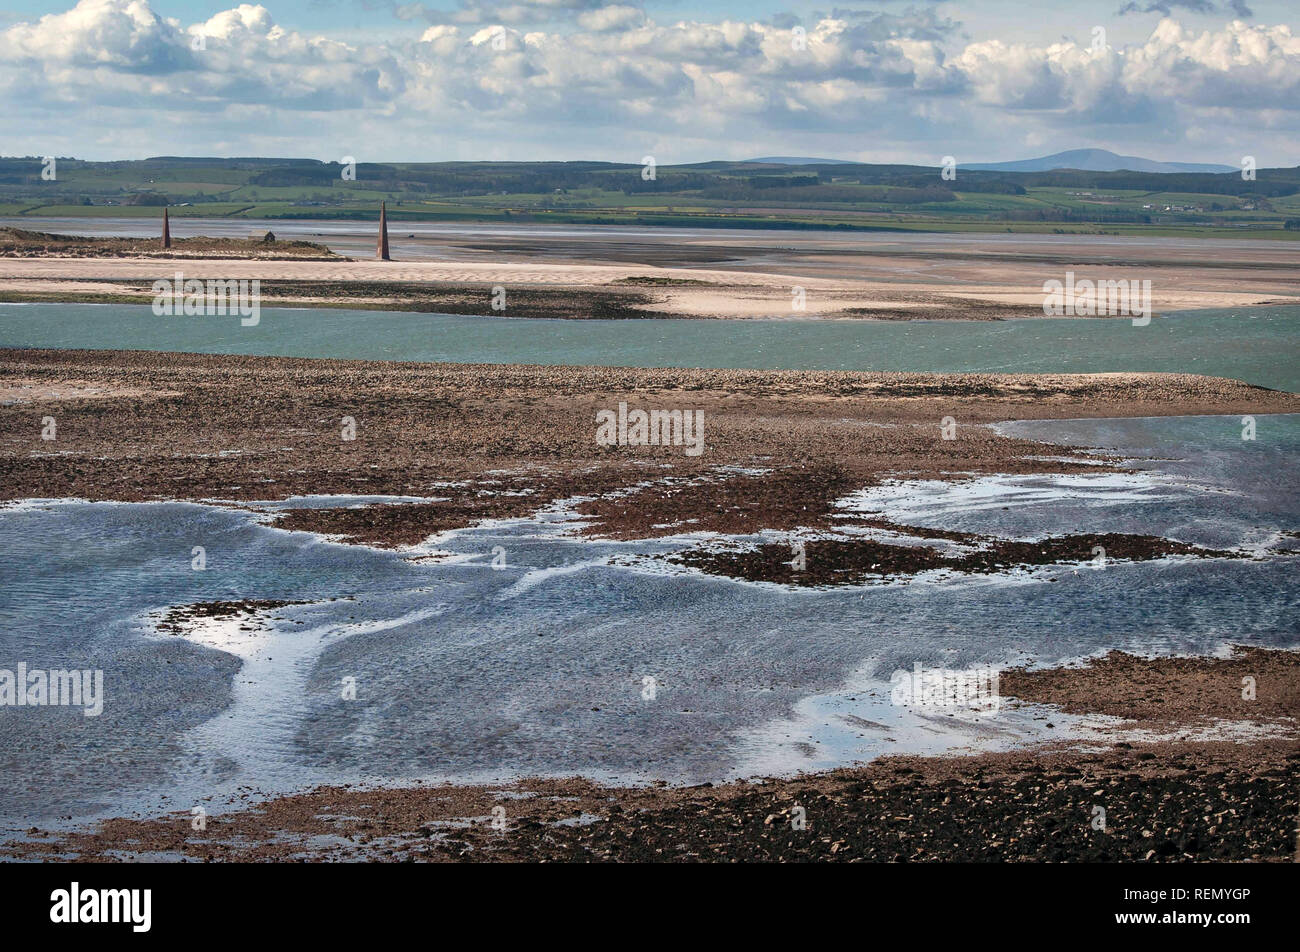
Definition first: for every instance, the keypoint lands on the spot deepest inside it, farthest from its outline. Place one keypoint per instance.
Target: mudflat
(490, 441)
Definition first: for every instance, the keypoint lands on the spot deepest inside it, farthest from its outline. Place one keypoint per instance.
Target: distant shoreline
(849, 198)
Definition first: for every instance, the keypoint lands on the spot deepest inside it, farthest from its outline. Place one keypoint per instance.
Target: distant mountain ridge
(1085, 160)
(796, 160)
(1095, 160)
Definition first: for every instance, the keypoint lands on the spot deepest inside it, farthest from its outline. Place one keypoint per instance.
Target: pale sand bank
(970, 290)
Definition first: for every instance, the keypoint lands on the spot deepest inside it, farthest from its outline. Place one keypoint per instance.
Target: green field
(715, 194)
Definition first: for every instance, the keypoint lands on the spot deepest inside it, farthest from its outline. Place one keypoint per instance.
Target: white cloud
(124, 34)
(616, 80)
(613, 17)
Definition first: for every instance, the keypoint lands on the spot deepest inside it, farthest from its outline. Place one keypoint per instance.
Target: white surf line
(339, 500)
(1003, 425)
(1272, 543)
(37, 504)
(254, 735)
(1070, 460)
(535, 577)
(943, 577)
(919, 503)
(859, 722)
(906, 500)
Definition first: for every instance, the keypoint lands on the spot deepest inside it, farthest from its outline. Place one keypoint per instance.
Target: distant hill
(797, 160)
(1094, 160)
(721, 194)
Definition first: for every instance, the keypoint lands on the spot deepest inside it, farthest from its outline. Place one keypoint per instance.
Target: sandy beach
(902, 277)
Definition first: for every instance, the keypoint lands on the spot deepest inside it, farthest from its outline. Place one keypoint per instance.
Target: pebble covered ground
(1167, 802)
(493, 441)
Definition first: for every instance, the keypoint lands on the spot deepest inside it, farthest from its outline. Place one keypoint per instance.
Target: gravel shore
(492, 441)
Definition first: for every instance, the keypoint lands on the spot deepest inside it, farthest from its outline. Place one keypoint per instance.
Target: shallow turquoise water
(1260, 345)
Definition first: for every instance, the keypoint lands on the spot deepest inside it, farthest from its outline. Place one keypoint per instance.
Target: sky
(680, 80)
